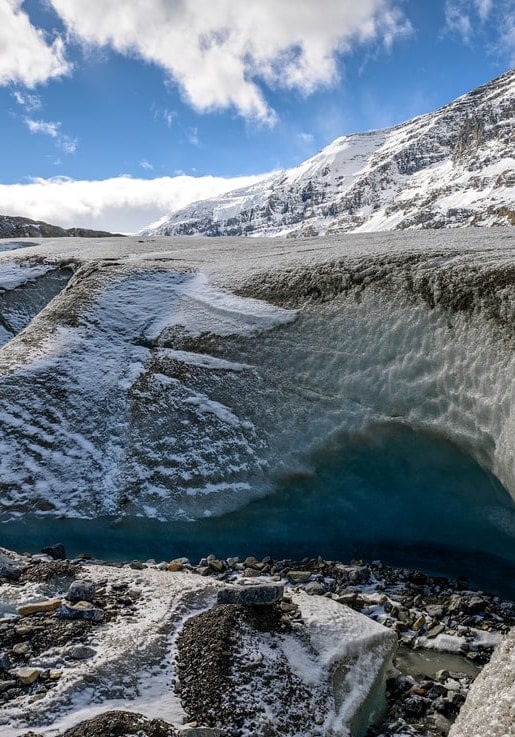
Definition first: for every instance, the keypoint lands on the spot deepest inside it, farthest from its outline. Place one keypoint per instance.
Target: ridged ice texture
(143, 389)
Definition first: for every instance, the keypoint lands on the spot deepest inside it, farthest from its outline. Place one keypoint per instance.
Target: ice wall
(178, 384)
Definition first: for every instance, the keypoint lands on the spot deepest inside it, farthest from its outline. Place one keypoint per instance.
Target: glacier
(177, 380)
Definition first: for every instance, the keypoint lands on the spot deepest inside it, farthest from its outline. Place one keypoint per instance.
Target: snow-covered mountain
(453, 167)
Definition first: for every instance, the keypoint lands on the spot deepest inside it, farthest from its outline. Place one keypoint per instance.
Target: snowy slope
(450, 168)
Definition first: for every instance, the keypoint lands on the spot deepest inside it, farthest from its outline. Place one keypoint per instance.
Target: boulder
(9, 568)
(261, 595)
(81, 590)
(57, 551)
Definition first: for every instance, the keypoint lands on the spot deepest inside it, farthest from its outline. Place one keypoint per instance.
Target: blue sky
(113, 113)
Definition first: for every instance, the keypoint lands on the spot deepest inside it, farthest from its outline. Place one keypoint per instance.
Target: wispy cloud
(219, 53)
(192, 137)
(467, 19)
(29, 102)
(47, 128)
(146, 165)
(163, 114)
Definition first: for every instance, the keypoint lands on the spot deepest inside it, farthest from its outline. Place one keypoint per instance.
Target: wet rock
(48, 605)
(57, 551)
(260, 595)
(81, 590)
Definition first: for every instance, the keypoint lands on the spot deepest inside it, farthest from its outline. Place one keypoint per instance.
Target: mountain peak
(454, 167)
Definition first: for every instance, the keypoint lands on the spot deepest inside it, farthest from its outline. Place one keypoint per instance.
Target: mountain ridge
(450, 168)
(20, 227)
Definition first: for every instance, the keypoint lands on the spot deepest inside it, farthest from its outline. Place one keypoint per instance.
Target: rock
(415, 706)
(90, 614)
(48, 605)
(81, 590)
(6, 685)
(435, 611)
(26, 676)
(22, 648)
(315, 588)
(9, 569)
(137, 565)
(202, 732)
(5, 661)
(216, 565)
(436, 630)
(80, 652)
(418, 623)
(174, 566)
(299, 576)
(251, 573)
(260, 595)
(57, 551)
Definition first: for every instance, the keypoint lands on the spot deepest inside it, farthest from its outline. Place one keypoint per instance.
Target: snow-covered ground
(339, 655)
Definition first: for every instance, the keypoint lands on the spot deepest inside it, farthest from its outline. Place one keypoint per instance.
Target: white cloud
(218, 51)
(467, 18)
(47, 128)
(146, 165)
(27, 101)
(26, 56)
(120, 204)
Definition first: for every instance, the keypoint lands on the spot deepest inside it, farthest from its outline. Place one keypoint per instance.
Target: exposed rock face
(18, 227)
(450, 168)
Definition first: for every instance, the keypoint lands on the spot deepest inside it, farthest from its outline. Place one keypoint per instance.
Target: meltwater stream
(407, 498)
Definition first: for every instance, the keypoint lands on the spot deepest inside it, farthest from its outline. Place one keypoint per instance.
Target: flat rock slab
(39, 606)
(260, 595)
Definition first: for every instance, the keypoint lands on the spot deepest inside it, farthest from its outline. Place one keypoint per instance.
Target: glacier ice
(176, 378)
